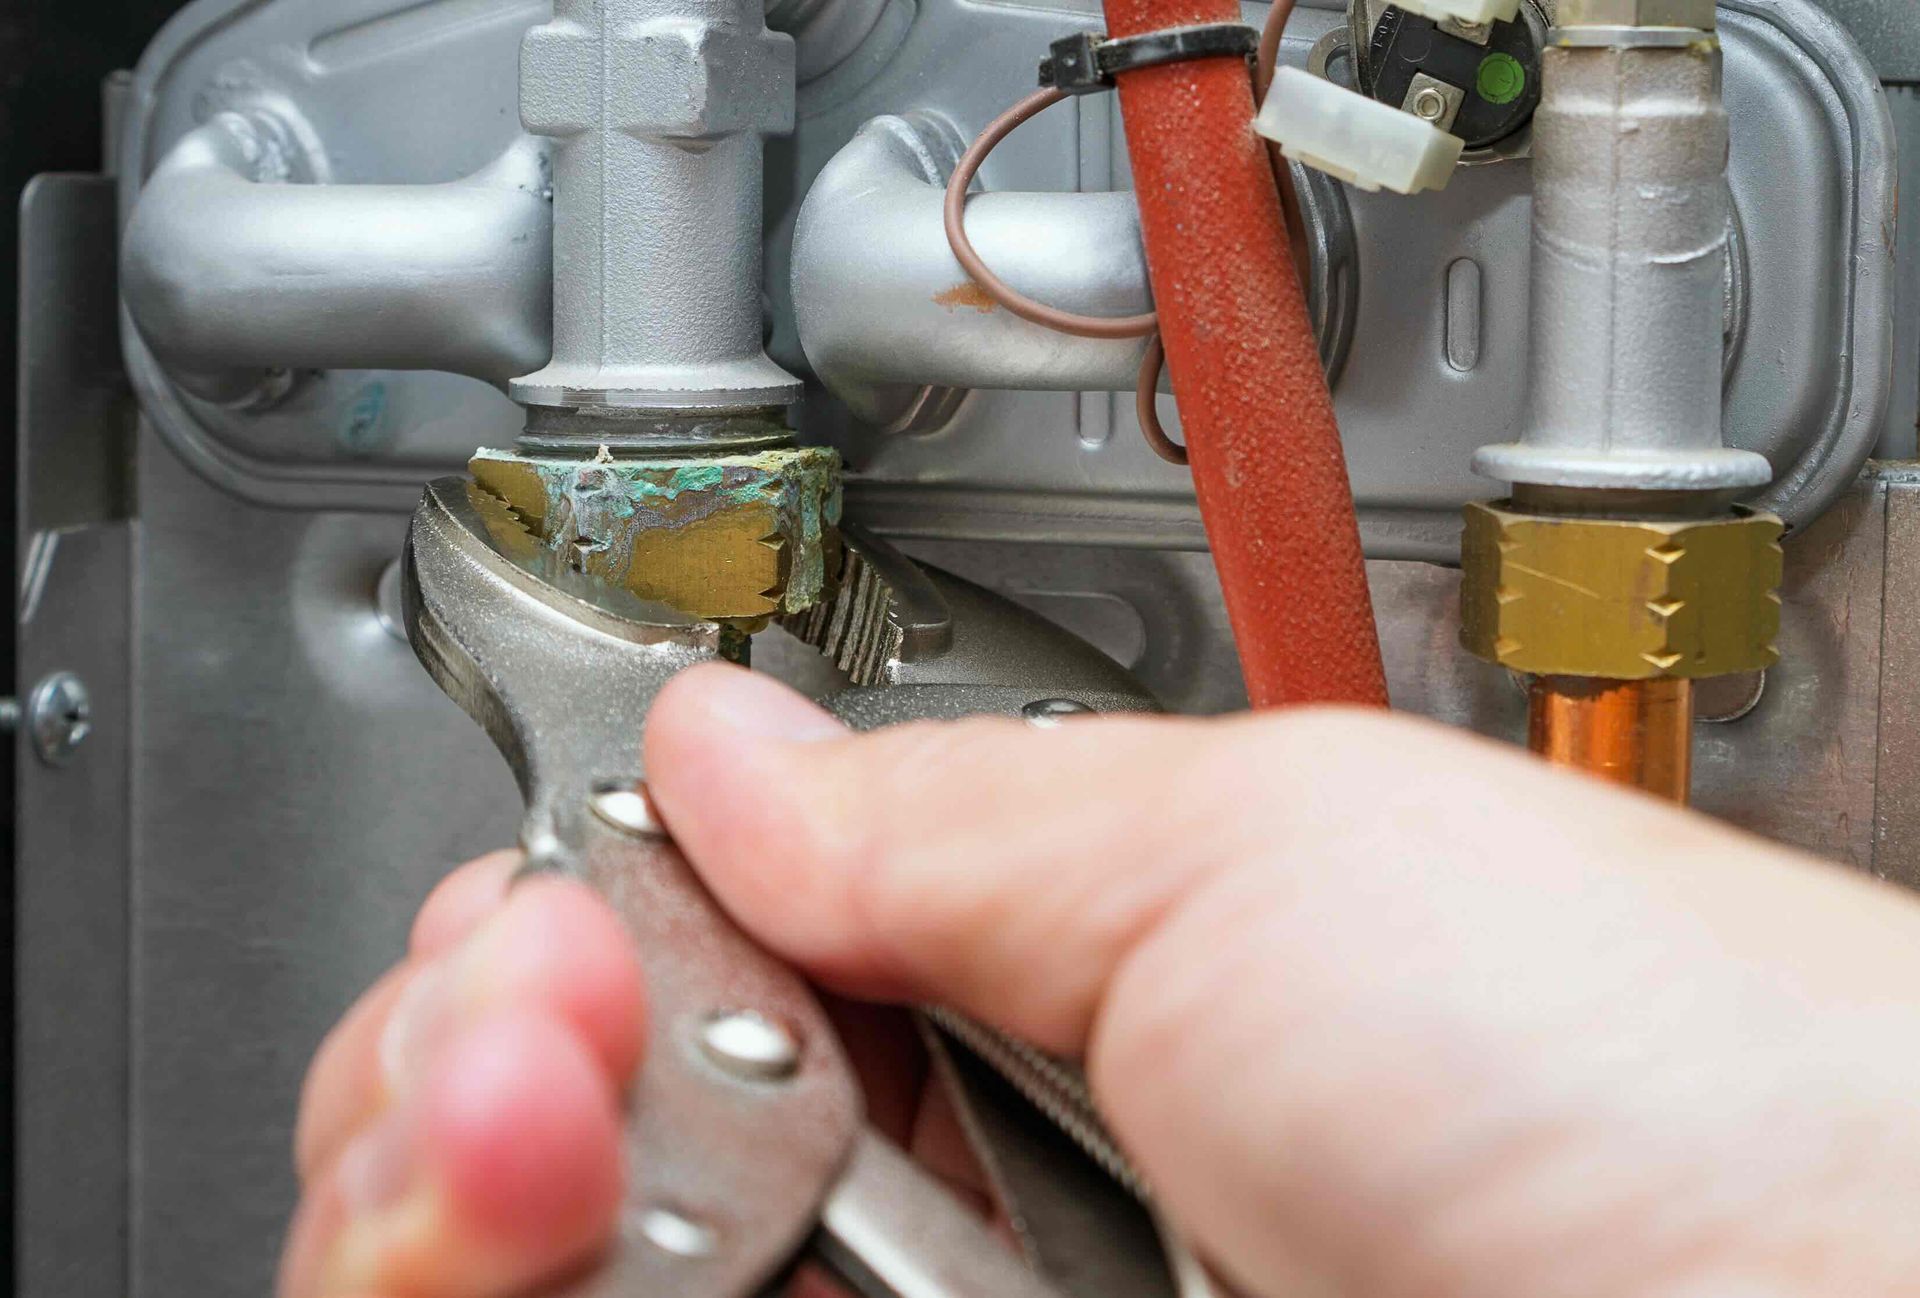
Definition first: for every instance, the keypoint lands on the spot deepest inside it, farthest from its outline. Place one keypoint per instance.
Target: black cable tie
(1087, 62)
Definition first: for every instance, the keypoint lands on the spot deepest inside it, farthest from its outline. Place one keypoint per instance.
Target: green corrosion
(605, 503)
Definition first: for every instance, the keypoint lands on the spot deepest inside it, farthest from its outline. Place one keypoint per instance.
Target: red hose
(1258, 419)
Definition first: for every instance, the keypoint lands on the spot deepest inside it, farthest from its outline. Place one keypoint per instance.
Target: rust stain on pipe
(967, 294)
(1258, 419)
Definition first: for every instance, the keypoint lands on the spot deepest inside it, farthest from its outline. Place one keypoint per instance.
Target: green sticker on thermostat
(1501, 79)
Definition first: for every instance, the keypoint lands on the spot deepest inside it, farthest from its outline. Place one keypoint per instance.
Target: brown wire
(1266, 60)
(1146, 403)
(1153, 359)
(1066, 322)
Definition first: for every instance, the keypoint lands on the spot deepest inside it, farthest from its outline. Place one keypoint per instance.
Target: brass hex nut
(1619, 598)
(736, 538)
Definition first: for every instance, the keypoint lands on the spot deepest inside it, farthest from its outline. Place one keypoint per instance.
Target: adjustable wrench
(746, 1144)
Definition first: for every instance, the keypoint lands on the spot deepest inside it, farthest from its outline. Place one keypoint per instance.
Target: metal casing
(394, 92)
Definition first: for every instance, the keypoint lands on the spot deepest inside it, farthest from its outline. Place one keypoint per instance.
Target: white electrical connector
(1359, 140)
(1475, 12)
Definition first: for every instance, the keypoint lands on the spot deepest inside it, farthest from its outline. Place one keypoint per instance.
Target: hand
(1378, 1008)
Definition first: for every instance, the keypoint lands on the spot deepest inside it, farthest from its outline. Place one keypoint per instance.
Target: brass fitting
(1619, 598)
(738, 538)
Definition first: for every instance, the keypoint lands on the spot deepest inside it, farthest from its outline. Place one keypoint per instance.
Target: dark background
(53, 56)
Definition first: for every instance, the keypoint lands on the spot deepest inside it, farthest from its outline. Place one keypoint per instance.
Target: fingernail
(423, 1020)
(390, 1208)
(754, 707)
(377, 1166)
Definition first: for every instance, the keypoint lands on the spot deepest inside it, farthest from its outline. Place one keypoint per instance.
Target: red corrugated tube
(1254, 406)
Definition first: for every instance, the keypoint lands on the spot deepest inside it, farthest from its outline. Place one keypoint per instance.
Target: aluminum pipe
(225, 273)
(658, 110)
(1630, 230)
(883, 309)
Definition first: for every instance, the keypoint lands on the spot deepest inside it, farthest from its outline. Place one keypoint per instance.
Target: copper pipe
(1636, 733)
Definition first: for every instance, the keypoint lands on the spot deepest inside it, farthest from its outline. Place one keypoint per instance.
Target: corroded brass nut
(1697, 14)
(734, 537)
(1618, 598)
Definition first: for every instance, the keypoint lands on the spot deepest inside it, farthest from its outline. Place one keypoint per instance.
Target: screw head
(627, 808)
(751, 1046)
(59, 717)
(676, 1233)
(1051, 714)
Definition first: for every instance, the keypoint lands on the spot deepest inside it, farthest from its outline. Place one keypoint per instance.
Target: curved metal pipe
(890, 321)
(225, 274)
(883, 309)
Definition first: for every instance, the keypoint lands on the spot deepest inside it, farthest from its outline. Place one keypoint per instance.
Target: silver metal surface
(678, 1234)
(1810, 174)
(1695, 14)
(483, 624)
(1887, 32)
(1630, 248)
(1084, 1231)
(561, 671)
(71, 879)
(239, 258)
(1051, 714)
(1595, 36)
(894, 327)
(752, 1045)
(1900, 438)
(626, 809)
(542, 658)
(1055, 1087)
(657, 109)
(75, 413)
(1433, 100)
(59, 717)
(298, 787)
(891, 1232)
(883, 310)
(73, 888)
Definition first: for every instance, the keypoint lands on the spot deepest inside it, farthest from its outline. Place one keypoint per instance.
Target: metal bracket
(1087, 62)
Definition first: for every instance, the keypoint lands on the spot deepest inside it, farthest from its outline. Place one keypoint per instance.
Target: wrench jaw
(738, 1158)
(558, 669)
(730, 1156)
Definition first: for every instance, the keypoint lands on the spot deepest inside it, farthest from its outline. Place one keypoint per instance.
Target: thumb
(1373, 1005)
(980, 864)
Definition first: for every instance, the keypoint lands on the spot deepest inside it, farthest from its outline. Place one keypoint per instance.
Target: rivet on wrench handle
(744, 1113)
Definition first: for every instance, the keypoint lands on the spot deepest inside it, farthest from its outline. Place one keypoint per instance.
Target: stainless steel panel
(71, 937)
(71, 847)
(76, 411)
(1900, 435)
(299, 786)
(1887, 30)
